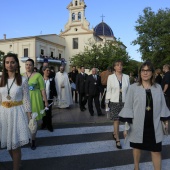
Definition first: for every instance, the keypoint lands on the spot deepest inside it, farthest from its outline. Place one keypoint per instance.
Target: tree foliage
(153, 30)
(100, 56)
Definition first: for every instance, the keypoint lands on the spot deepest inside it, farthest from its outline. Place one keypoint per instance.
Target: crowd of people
(143, 104)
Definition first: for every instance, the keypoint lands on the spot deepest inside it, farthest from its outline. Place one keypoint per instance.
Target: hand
(46, 104)
(125, 133)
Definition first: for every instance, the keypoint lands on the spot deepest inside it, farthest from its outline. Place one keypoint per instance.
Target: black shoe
(92, 114)
(50, 129)
(33, 146)
(84, 108)
(101, 114)
(118, 145)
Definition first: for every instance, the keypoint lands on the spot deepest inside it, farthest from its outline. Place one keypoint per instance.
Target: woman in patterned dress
(15, 103)
(117, 85)
(37, 93)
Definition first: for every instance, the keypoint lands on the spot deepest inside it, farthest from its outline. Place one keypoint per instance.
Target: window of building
(79, 16)
(52, 53)
(75, 43)
(75, 3)
(42, 52)
(25, 52)
(59, 56)
(73, 16)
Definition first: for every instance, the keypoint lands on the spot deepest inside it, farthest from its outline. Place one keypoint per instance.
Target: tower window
(73, 16)
(75, 3)
(75, 43)
(25, 52)
(79, 16)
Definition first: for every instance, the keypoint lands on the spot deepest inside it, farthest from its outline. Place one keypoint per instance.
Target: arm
(42, 89)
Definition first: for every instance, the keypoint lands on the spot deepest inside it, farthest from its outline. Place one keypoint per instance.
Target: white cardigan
(113, 88)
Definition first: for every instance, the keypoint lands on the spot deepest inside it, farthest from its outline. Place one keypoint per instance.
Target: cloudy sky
(20, 18)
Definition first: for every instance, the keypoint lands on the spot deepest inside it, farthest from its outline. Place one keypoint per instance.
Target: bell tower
(77, 15)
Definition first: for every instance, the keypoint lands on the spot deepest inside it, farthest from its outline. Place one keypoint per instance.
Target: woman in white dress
(15, 109)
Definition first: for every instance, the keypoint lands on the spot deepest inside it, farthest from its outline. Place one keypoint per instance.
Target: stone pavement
(74, 115)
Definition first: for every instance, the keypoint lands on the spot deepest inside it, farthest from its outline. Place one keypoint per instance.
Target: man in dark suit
(80, 88)
(93, 87)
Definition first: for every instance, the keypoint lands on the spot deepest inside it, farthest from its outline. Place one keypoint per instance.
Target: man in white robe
(63, 89)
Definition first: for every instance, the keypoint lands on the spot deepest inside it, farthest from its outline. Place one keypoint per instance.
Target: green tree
(1, 59)
(153, 30)
(101, 56)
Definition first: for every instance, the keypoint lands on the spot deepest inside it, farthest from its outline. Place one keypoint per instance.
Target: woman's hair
(45, 67)
(117, 61)
(5, 76)
(150, 67)
(31, 60)
(158, 71)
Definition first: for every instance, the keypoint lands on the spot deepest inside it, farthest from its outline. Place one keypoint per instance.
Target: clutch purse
(165, 130)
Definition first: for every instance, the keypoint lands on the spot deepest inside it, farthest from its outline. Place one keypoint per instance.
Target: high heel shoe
(118, 146)
(113, 136)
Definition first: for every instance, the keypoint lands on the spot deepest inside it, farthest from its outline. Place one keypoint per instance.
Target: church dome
(103, 29)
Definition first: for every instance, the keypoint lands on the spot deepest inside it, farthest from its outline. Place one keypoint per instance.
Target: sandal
(113, 136)
(118, 146)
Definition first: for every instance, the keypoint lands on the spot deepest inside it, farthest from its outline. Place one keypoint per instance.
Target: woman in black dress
(145, 110)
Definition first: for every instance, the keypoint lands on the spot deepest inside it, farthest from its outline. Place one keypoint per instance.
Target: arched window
(73, 16)
(79, 16)
(75, 3)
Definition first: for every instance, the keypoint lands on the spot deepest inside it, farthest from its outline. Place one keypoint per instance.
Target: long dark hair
(5, 76)
(150, 66)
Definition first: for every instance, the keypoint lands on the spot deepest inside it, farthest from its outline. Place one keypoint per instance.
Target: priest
(63, 89)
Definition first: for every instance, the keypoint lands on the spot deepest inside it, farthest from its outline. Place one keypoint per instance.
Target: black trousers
(47, 119)
(96, 102)
(82, 100)
(75, 94)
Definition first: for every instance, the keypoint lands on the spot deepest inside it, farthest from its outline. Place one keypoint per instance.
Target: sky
(21, 18)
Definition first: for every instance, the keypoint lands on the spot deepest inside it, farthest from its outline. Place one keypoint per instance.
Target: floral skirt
(115, 108)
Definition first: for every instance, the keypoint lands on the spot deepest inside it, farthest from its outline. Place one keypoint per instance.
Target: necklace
(120, 83)
(29, 75)
(9, 88)
(148, 108)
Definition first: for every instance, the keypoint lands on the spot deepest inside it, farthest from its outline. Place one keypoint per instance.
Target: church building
(59, 49)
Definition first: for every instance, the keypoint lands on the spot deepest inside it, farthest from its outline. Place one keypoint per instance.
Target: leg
(84, 100)
(80, 101)
(16, 155)
(97, 104)
(156, 159)
(90, 105)
(116, 133)
(136, 157)
(49, 119)
(75, 93)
